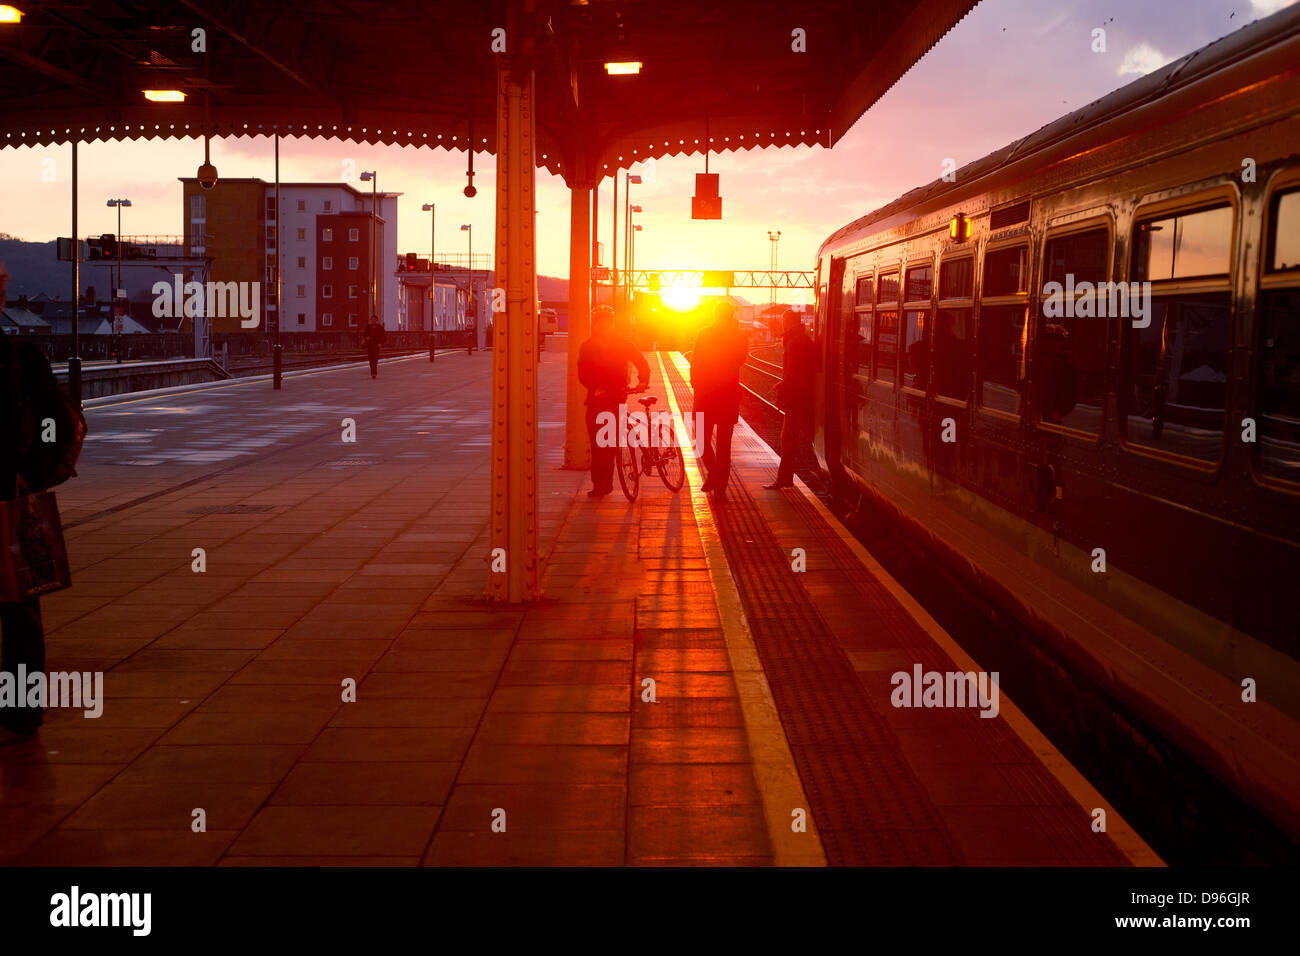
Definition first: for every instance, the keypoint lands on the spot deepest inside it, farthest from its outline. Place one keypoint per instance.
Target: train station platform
(703, 683)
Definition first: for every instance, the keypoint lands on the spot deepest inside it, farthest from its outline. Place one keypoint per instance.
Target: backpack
(41, 402)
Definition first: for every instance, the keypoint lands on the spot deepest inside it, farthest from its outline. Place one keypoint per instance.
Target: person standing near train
(794, 395)
(719, 353)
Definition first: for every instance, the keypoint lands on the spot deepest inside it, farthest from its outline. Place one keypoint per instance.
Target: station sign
(600, 273)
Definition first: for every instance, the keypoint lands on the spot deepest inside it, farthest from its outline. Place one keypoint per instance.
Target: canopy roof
(727, 74)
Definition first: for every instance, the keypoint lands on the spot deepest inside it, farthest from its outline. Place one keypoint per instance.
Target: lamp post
(775, 237)
(632, 180)
(372, 177)
(433, 281)
(629, 252)
(632, 263)
(119, 203)
(469, 276)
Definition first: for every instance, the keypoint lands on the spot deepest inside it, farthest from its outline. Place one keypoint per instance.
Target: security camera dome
(207, 175)
(471, 192)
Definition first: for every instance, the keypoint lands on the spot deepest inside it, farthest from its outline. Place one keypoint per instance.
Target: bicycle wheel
(629, 471)
(672, 465)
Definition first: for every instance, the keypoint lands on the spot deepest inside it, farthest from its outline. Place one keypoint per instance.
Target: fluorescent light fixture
(10, 14)
(164, 96)
(623, 69)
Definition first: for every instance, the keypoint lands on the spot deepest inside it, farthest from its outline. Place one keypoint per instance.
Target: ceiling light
(164, 96)
(623, 69)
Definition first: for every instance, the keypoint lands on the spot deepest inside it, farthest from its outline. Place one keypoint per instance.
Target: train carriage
(1070, 378)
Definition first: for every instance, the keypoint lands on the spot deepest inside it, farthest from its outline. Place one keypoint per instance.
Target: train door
(830, 321)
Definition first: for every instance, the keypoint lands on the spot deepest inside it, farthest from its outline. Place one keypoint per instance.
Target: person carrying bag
(41, 432)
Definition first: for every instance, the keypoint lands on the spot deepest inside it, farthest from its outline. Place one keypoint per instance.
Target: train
(1066, 378)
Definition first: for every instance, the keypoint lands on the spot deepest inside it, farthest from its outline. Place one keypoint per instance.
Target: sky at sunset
(1008, 68)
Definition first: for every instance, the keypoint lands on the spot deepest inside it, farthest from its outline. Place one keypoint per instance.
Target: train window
(886, 327)
(916, 352)
(1284, 246)
(1070, 371)
(918, 283)
(1279, 383)
(1176, 374)
(957, 279)
(952, 353)
(864, 290)
(1006, 271)
(1183, 245)
(857, 344)
(1002, 357)
(1081, 255)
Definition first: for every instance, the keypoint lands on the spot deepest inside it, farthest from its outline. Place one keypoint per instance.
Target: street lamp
(629, 250)
(632, 180)
(372, 177)
(119, 203)
(635, 230)
(776, 239)
(469, 275)
(433, 281)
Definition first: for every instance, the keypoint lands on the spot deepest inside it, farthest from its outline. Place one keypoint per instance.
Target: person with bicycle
(602, 369)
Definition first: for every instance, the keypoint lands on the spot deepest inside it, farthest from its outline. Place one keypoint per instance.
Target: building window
(302, 318)
(302, 233)
(327, 262)
(1175, 370)
(302, 262)
(1278, 356)
(302, 205)
(1074, 329)
(352, 292)
(354, 234)
(327, 318)
(327, 235)
(302, 292)
(354, 263)
(327, 292)
(1004, 305)
(270, 208)
(329, 205)
(352, 320)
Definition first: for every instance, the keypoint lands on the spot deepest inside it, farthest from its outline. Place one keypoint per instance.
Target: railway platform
(299, 666)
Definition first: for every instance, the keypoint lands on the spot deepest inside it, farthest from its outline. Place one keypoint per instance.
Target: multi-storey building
(322, 239)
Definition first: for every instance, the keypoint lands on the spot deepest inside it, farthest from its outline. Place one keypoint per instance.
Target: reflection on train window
(1176, 375)
(916, 357)
(1279, 383)
(1002, 357)
(886, 344)
(1071, 339)
(887, 291)
(1284, 247)
(1083, 255)
(857, 345)
(864, 290)
(952, 353)
(957, 279)
(919, 281)
(1183, 245)
(1006, 271)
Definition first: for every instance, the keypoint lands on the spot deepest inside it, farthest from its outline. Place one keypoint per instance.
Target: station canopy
(732, 75)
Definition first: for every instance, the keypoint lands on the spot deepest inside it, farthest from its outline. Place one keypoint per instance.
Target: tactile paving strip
(869, 807)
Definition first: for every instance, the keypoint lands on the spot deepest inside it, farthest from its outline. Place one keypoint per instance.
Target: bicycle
(664, 456)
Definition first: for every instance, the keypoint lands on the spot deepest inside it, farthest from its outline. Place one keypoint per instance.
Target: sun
(681, 298)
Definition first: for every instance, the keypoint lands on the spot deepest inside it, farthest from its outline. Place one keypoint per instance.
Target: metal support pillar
(277, 353)
(512, 556)
(577, 450)
(74, 360)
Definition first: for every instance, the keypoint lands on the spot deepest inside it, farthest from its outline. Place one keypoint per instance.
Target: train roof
(1169, 79)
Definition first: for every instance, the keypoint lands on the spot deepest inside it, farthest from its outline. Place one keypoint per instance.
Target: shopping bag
(33, 556)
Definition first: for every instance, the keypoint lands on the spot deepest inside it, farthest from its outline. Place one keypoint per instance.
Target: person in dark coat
(374, 338)
(795, 395)
(719, 353)
(22, 634)
(602, 368)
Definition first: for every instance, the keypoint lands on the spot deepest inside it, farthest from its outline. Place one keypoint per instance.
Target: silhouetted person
(720, 351)
(29, 396)
(374, 338)
(795, 395)
(473, 337)
(602, 369)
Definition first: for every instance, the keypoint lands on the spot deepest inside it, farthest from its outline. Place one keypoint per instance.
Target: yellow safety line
(778, 782)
